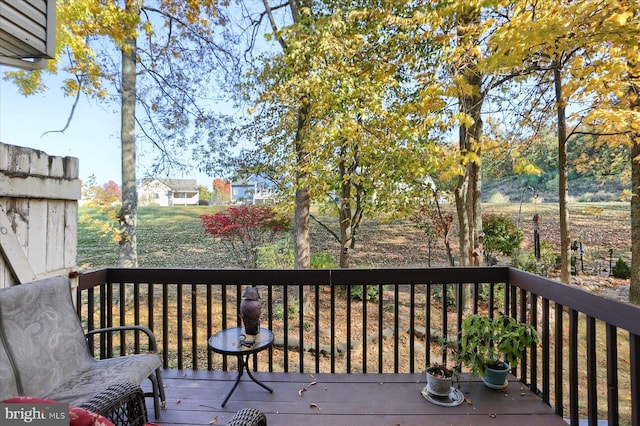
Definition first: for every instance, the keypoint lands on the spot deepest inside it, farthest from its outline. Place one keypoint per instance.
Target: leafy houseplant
(494, 344)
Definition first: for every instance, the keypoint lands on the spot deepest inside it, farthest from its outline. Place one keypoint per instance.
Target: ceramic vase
(250, 311)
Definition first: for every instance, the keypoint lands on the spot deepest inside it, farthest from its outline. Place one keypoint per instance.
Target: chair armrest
(248, 417)
(121, 403)
(153, 346)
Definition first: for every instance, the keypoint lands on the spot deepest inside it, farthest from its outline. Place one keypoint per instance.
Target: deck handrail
(419, 297)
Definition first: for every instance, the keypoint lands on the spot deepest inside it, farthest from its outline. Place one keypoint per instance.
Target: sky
(93, 135)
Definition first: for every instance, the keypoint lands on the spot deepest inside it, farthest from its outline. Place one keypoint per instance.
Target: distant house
(252, 190)
(168, 192)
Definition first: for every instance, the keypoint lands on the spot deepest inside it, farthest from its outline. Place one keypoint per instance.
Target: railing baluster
(165, 325)
(365, 333)
(90, 314)
(545, 340)
(380, 327)
(285, 326)
(523, 318)
(396, 327)
(460, 314)
(558, 361)
(194, 326)
(412, 319)
(492, 298)
(136, 315)
(476, 296)
(348, 327)
(634, 360)
(224, 307)
(574, 414)
(121, 318)
(179, 316)
(209, 324)
(592, 377)
(533, 370)
(445, 304)
(301, 292)
(150, 311)
(270, 305)
(427, 312)
(109, 318)
(332, 315)
(316, 327)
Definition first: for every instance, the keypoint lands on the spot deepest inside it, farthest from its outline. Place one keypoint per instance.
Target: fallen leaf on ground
(304, 389)
(314, 405)
(213, 420)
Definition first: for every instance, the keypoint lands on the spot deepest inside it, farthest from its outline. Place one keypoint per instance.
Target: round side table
(231, 341)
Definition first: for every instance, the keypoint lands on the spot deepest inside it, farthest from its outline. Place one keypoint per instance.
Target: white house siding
(185, 199)
(168, 192)
(27, 33)
(152, 192)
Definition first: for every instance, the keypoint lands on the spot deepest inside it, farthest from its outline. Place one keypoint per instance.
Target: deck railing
(587, 364)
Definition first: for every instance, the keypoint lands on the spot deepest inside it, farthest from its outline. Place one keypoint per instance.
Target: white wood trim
(40, 187)
(37, 64)
(13, 251)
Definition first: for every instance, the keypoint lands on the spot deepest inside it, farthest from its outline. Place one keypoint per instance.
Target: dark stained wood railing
(587, 364)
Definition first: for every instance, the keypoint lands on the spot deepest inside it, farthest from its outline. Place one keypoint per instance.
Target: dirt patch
(603, 229)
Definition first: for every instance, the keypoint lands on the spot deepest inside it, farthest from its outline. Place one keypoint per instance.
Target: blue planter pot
(496, 378)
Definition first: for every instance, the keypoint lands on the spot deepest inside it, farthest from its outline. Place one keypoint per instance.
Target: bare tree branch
(73, 109)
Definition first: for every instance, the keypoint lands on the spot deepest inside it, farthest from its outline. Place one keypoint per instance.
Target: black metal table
(230, 342)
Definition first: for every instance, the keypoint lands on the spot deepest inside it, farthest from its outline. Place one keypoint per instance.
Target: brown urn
(250, 311)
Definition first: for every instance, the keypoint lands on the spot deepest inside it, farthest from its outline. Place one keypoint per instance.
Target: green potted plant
(492, 347)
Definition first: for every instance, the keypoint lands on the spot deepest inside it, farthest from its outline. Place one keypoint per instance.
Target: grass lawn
(174, 237)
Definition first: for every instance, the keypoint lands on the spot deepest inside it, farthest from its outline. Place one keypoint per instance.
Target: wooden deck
(195, 398)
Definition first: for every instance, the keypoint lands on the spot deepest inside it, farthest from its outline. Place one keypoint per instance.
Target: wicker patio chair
(123, 404)
(248, 417)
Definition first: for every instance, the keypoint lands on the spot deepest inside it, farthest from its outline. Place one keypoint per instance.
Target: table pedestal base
(243, 364)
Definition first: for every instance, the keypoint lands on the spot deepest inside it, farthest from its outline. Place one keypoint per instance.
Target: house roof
(251, 180)
(183, 185)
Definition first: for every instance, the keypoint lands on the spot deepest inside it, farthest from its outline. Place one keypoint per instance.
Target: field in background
(173, 237)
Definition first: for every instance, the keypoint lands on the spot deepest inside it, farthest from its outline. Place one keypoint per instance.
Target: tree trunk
(467, 193)
(563, 187)
(128, 213)
(468, 189)
(634, 288)
(345, 216)
(301, 244)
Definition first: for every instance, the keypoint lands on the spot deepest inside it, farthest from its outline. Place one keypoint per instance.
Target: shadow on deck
(195, 398)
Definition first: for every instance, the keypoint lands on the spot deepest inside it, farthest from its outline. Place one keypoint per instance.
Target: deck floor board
(195, 398)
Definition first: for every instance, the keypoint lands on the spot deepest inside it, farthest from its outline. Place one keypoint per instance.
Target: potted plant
(439, 376)
(492, 347)
(439, 380)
